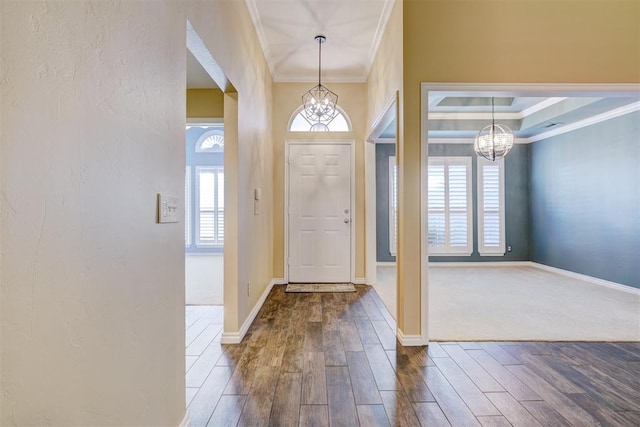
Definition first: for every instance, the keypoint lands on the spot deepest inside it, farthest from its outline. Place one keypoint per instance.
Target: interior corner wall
(383, 85)
(585, 200)
(227, 30)
(205, 103)
(286, 100)
(516, 195)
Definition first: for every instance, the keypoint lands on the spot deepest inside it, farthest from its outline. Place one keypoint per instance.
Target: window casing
(393, 205)
(491, 202)
(450, 226)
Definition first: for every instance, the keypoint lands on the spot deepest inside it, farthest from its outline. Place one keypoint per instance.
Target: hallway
(320, 359)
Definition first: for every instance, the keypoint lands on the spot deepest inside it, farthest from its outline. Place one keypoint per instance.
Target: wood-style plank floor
(332, 359)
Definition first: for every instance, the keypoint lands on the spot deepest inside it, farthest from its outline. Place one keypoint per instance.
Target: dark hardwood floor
(332, 359)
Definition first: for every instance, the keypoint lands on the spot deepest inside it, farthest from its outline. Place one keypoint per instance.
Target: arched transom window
(211, 141)
(298, 123)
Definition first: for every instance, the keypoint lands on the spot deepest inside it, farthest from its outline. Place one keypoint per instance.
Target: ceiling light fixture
(494, 141)
(319, 103)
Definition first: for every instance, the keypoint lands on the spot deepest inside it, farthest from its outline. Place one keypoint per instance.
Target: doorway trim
(352, 209)
(482, 89)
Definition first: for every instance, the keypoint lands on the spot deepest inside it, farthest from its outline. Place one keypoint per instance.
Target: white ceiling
(287, 28)
(197, 77)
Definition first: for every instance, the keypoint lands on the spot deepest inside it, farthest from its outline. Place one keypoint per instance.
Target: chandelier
(494, 141)
(319, 103)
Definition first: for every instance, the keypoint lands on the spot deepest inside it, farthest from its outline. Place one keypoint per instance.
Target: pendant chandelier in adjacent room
(494, 141)
(319, 103)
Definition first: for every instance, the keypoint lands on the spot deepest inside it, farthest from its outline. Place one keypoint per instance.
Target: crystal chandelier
(494, 141)
(319, 103)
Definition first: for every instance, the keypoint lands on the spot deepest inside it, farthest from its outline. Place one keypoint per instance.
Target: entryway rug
(320, 287)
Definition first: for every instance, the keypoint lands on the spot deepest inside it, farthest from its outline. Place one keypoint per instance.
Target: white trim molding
(360, 281)
(437, 264)
(590, 279)
(410, 340)
(186, 421)
(385, 264)
(237, 337)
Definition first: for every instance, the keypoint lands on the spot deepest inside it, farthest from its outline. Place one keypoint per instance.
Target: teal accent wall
(585, 200)
(383, 152)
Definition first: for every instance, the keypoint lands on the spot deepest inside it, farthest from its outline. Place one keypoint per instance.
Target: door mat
(320, 287)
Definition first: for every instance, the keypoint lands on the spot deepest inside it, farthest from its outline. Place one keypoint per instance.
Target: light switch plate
(167, 208)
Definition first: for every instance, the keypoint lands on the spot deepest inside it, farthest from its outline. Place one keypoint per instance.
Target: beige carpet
(521, 303)
(320, 287)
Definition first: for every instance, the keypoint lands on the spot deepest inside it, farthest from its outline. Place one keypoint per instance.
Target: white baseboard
(385, 264)
(279, 281)
(236, 337)
(590, 279)
(481, 264)
(186, 421)
(410, 340)
(360, 281)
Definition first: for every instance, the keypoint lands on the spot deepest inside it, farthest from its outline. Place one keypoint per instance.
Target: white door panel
(319, 213)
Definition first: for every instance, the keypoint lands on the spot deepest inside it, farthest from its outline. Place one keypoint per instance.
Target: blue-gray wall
(383, 152)
(585, 200)
(516, 184)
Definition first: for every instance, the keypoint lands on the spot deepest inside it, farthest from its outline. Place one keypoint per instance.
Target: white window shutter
(449, 206)
(393, 205)
(491, 232)
(187, 207)
(210, 211)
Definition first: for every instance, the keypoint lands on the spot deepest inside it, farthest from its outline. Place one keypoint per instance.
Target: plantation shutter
(491, 207)
(210, 230)
(393, 205)
(187, 207)
(449, 206)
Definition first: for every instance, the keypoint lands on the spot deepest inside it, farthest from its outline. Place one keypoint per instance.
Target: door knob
(346, 220)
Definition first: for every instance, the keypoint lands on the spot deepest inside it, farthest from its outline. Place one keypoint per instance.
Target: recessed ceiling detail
(463, 101)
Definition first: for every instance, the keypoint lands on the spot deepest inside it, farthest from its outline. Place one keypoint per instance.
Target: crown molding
(612, 114)
(262, 38)
(379, 34)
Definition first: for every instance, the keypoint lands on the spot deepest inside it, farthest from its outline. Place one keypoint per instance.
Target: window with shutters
(393, 205)
(449, 206)
(491, 233)
(210, 203)
(204, 188)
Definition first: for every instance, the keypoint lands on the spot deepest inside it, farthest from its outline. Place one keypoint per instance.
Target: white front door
(319, 213)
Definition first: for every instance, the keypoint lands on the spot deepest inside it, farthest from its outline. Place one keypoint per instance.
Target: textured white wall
(92, 291)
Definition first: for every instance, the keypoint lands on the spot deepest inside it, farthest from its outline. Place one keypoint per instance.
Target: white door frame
(352, 208)
(484, 89)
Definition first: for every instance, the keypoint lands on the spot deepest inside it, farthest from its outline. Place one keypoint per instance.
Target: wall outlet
(508, 248)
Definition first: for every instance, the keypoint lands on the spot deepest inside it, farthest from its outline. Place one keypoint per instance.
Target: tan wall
(205, 103)
(352, 98)
(495, 41)
(92, 288)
